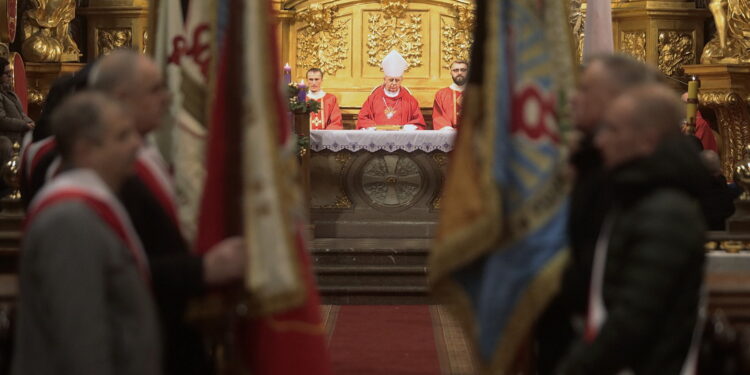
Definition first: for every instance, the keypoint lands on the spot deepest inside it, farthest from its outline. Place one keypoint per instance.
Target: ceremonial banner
(251, 189)
(597, 30)
(183, 49)
(501, 240)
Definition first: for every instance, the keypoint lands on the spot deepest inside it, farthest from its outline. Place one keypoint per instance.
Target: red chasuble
(446, 111)
(329, 116)
(379, 109)
(704, 133)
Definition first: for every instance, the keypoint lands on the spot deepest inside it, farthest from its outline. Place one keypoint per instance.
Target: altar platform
(377, 184)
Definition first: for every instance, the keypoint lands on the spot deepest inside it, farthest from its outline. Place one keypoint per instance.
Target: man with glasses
(446, 111)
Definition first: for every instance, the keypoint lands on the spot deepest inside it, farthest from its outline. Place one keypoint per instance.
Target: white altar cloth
(357, 140)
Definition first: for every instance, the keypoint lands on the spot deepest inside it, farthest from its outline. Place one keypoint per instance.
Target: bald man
(137, 83)
(648, 264)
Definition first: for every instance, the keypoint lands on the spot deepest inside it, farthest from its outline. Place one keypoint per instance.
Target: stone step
(10, 239)
(9, 258)
(364, 229)
(369, 295)
(375, 276)
(401, 257)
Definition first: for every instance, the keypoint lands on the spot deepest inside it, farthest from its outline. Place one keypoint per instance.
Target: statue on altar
(46, 30)
(731, 45)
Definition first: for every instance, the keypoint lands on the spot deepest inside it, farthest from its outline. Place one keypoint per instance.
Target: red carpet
(384, 340)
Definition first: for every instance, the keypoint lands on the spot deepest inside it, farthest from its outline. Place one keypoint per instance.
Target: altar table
(375, 184)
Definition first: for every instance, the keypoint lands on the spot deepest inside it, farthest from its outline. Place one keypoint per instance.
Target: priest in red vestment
(329, 115)
(390, 103)
(446, 110)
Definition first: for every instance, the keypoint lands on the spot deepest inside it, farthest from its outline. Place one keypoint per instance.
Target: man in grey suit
(85, 304)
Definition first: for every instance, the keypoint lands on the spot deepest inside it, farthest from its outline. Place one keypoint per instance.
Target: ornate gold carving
(733, 116)
(440, 158)
(46, 30)
(35, 96)
(108, 40)
(634, 44)
(145, 42)
(394, 30)
(342, 202)
(322, 43)
(731, 45)
(577, 20)
(458, 36)
(675, 49)
(436, 203)
(393, 8)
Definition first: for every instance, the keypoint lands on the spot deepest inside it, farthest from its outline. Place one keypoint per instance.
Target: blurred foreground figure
(648, 259)
(85, 304)
(603, 78)
(148, 196)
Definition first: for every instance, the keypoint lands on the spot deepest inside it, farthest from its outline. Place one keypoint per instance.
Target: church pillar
(666, 34)
(113, 24)
(725, 89)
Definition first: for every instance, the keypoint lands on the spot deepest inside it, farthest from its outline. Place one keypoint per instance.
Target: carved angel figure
(46, 31)
(731, 45)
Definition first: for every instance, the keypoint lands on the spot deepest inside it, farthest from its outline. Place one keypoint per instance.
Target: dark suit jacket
(177, 276)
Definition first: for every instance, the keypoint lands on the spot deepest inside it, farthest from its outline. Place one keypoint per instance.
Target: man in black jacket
(648, 258)
(602, 79)
(137, 82)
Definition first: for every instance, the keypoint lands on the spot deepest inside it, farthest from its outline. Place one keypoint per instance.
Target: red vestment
(403, 107)
(446, 111)
(704, 133)
(329, 115)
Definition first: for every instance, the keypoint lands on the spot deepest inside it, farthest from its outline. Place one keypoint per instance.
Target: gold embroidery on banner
(457, 37)
(394, 30)
(675, 50)
(322, 42)
(634, 44)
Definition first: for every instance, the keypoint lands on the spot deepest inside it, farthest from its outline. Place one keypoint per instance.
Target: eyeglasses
(462, 70)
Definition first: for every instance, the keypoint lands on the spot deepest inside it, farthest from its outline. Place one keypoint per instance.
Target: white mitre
(394, 65)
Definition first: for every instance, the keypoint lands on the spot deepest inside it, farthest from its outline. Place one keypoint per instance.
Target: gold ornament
(634, 44)
(732, 111)
(458, 36)
(108, 40)
(322, 43)
(577, 20)
(731, 45)
(46, 30)
(675, 49)
(392, 30)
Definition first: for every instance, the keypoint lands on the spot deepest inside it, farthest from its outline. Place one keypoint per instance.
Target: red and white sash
(597, 311)
(85, 186)
(152, 170)
(33, 153)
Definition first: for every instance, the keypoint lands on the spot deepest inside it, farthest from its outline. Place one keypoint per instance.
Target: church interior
(373, 198)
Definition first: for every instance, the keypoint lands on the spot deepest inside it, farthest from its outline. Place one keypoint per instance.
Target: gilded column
(115, 24)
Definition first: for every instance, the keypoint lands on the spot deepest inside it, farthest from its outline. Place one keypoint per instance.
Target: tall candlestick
(287, 74)
(692, 103)
(302, 93)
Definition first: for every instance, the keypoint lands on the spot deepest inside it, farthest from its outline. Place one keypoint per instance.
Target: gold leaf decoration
(577, 20)
(457, 37)
(109, 40)
(388, 33)
(634, 44)
(675, 50)
(322, 43)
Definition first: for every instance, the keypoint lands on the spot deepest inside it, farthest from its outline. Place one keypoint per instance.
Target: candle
(287, 74)
(692, 102)
(302, 93)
